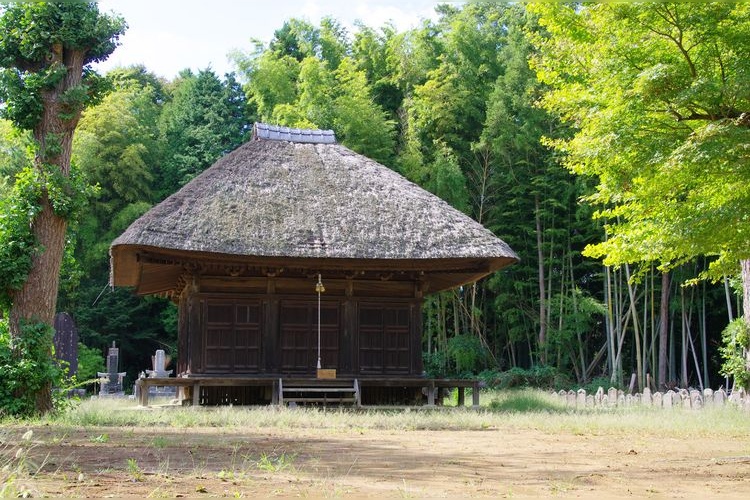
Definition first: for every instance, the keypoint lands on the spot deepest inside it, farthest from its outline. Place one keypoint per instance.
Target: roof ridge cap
(269, 132)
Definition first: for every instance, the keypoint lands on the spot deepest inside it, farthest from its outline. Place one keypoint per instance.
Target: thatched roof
(290, 200)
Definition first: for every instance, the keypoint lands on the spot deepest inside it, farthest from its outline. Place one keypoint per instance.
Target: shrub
(468, 353)
(26, 367)
(735, 343)
(540, 377)
(435, 364)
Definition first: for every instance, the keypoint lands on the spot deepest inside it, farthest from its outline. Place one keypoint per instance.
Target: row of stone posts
(684, 398)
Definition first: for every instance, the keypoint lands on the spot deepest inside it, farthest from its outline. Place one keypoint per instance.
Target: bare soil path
(256, 463)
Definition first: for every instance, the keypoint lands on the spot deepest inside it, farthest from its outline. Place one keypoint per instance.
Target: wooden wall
(270, 327)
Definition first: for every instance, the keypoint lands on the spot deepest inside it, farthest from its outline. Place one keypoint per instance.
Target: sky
(170, 35)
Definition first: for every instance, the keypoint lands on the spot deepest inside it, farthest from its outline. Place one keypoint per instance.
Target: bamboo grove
(471, 107)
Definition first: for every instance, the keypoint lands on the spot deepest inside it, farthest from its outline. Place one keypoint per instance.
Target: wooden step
(319, 389)
(320, 400)
(327, 392)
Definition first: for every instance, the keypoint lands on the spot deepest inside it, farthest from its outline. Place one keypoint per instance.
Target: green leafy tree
(117, 147)
(373, 52)
(325, 89)
(15, 154)
(45, 51)
(205, 119)
(659, 97)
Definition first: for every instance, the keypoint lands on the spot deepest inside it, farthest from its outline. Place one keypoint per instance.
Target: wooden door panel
(384, 339)
(233, 336)
(298, 325)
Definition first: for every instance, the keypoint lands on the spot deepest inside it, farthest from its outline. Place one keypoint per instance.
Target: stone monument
(159, 364)
(111, 380)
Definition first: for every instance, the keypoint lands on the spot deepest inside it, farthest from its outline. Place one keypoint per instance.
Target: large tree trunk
(36, 301)
(663, 330)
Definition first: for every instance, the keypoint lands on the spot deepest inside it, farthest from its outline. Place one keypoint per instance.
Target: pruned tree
(46, 51)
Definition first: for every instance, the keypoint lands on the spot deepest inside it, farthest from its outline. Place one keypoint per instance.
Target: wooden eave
(162, 271)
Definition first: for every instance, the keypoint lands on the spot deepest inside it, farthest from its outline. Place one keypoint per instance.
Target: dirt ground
(168, 463)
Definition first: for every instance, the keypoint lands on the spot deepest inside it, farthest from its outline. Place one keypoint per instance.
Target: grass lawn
(521, 444)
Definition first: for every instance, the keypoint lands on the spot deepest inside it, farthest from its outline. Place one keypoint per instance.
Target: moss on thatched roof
(272, 198)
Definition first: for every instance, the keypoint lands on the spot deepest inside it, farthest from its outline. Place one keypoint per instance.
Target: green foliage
(90, 361)
(435, 364)
(659, 123)
(17, 242)
(540, 377)
(15, 153)
(735, 346)
(205, 119)
(34, 38)
(527, 402)
(468, 353)
(26, 367)
(116, 146)
(307, 79)
(597, 382)
(67, 195)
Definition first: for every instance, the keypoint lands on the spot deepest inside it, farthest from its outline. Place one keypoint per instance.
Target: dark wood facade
(370, 325)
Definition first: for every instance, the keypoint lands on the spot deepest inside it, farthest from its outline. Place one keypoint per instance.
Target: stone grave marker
(581, 398)
(66, 341)
(668, 399)
(159, 364)
(111, 380)
(720, 397)
(612, 396)
(656, 399)
(646, 397)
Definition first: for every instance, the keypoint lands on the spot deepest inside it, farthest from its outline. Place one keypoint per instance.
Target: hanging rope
(320, 289)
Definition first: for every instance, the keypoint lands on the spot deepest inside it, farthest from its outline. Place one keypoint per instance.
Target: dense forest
(592, 140)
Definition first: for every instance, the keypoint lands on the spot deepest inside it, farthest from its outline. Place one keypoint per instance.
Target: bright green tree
(15, 154)
(117, 147)
(306, 78)
(659, 95)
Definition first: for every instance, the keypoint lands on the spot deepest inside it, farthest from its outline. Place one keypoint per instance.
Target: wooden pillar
(347, 332)
(271, 342)
(190, 329)
(417, 367)
(183, 332)
(415, 333)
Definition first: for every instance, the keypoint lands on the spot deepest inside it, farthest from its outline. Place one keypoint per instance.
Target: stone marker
(111, 380)
(159, 363)
(66, 341)
(571, 398)
(696, 400)
(720, 397)
(581, 398)
(656, 399)
(668, 399)
(646, 397)
(612, 396)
